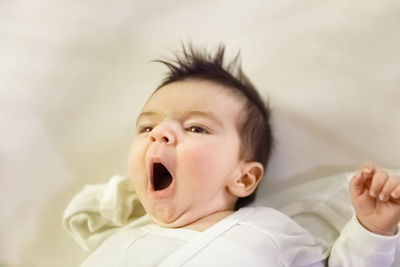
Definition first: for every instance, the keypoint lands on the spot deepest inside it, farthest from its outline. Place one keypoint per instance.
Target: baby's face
(186, 152)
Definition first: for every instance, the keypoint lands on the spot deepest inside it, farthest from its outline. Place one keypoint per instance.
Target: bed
(73, 77)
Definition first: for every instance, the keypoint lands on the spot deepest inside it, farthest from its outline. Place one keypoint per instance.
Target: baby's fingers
(369, 170)
(379, 181)
(357, 184)
(396, 193)
(390, 189)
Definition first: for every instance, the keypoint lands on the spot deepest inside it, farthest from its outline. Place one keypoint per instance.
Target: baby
(201, 148)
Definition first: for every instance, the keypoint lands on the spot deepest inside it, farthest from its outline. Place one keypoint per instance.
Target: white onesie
(250, 237)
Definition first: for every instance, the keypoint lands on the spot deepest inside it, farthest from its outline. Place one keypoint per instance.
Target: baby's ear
(248, 180)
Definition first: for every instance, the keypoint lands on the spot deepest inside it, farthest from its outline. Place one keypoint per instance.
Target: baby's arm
(371, 237)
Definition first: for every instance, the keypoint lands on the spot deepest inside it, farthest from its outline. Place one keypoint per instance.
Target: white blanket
(99, 210)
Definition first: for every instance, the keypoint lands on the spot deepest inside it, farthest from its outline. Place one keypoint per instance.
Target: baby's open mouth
(162, 178)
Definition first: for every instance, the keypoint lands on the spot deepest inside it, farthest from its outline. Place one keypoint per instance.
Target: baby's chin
(168, 216)
(171, 222)
(189, 219)
(173, 217)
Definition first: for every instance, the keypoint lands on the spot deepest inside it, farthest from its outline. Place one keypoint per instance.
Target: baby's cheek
(135, 146)
(196, 159)
(202, 165)
(136, 162)
(136, 152)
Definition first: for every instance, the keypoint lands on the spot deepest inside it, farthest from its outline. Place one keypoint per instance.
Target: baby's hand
(375, 196)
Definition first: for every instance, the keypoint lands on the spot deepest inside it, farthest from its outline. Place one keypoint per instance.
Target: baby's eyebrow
(208, 115)
(186, 114)
(145, 114)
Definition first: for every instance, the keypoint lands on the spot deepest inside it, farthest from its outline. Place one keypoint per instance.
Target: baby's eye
(197, 129)
(145, 129)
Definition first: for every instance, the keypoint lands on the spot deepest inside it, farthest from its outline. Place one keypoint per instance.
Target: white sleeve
(356, 246)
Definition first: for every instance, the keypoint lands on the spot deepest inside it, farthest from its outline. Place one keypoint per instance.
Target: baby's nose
(162, 134)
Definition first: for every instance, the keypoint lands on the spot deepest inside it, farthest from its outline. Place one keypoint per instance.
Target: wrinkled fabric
(98, 211)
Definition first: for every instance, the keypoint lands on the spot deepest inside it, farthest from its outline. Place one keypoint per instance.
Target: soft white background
(74, 75)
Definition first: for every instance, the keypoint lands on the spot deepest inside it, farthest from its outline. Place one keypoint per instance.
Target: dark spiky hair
(254, 129)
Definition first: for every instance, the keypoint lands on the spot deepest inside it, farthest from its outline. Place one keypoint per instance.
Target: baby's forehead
(195, 94)
(206, 89)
